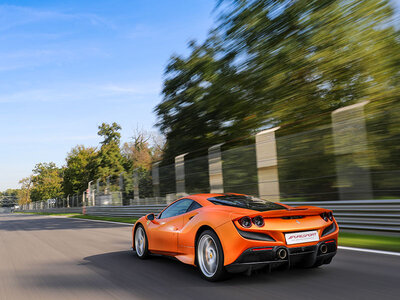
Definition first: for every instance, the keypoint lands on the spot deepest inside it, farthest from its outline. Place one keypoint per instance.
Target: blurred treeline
(110, 163)
(288, 64)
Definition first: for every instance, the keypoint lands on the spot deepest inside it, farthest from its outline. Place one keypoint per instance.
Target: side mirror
(150, 217)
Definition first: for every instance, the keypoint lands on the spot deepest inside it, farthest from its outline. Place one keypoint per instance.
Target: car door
(163, 233)
(186, 233)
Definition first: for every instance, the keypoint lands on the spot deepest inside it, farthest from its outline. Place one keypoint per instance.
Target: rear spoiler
(290, 211)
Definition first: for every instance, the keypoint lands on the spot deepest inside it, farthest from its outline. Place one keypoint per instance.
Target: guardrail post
(351, 152)
(180, 175)
(215, 169)
(155, 174)
(267, 165)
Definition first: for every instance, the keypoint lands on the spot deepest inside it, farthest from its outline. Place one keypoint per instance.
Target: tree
(202, 103)
(306, 58)
(110, 133)
(110, 160)
(139, 155)
(80, 169)
(24, 194)
(47, 182)
(272, 63)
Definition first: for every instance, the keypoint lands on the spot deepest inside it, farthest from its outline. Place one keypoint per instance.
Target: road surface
(44, 257)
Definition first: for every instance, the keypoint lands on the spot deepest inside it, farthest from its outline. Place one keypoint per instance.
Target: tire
(210, 256)
(141, 242)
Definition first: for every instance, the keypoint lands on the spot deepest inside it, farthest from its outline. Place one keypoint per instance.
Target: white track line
(369, 250)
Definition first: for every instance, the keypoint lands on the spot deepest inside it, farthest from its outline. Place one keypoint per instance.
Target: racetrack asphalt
(44, 257)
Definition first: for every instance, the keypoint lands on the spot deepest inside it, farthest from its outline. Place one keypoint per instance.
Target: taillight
(330, 216)
(324, 216)
(258, 221)
(245, 222)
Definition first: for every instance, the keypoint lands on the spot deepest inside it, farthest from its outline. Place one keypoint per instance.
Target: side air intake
(328, 230)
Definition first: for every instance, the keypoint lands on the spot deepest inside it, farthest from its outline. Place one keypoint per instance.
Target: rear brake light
(330, 216)
(324, 216)
(245, 222)
(258, 221)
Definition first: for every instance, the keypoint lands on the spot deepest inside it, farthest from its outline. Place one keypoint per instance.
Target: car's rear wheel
(210, 256)
(141, 244)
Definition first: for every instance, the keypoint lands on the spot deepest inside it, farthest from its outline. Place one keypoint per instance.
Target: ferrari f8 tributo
(222, 233)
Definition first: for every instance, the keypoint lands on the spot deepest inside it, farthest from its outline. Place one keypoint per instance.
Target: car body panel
(176, 236)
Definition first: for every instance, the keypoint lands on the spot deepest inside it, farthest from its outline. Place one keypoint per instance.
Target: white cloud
(131, 88)
(85, 92)
(13, 16)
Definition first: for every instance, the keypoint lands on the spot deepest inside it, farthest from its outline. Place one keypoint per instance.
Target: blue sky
(68, 66)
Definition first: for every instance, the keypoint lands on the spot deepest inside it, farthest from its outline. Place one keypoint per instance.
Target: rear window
(247, 202)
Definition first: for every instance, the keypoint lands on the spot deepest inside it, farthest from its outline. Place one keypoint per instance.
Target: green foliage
(110, 133)
(111, 165)
(24, 194)
(290, 64)
(272, 63)
(10, 193)
(203, 104)
(47, 182)
(81, 164)
(110, 160)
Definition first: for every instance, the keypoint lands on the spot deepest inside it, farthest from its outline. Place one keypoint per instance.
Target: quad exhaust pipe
(282, 253)
(323, 248)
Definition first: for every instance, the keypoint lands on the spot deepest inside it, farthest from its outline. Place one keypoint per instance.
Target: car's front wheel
(210, 256)
(141, 245)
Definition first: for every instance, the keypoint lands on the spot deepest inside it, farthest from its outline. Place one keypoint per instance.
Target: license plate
(301, 237)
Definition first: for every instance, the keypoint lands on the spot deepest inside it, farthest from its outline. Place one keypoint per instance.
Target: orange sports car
(222, 233)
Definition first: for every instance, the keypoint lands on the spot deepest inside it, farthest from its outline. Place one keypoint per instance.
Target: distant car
(222, 233)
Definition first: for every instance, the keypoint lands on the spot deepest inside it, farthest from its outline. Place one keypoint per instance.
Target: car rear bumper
(307, 256)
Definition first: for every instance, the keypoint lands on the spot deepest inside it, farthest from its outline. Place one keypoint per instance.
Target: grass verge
(376, 242)
(113, 219)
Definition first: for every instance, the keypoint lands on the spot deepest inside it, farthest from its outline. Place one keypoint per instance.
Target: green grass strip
(101, 218)
(377, 242)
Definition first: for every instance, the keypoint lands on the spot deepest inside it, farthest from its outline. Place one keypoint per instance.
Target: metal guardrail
(65, 210)
(124, 211)
(370, 215)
